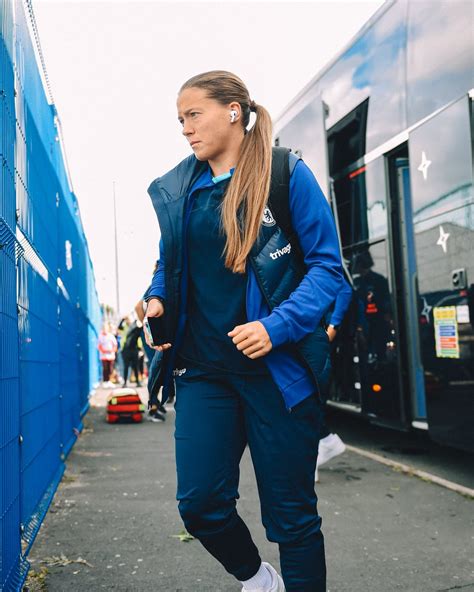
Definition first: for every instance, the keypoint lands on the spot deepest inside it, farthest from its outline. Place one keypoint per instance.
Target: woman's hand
(155, 308)
(251, 339)
(331, 331)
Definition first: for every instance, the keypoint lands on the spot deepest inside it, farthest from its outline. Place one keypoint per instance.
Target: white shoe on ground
(329, 447)
(277, 582)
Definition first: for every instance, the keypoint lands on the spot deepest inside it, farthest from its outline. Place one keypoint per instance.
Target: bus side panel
(443, 214)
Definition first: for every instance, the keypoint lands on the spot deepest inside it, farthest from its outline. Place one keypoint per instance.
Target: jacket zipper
(260, 285)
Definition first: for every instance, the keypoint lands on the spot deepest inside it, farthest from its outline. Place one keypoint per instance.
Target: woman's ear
(235, 111)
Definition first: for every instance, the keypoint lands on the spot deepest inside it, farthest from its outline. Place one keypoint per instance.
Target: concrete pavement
(116, 510)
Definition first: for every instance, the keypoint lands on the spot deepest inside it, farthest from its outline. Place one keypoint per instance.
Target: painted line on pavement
(409, 470)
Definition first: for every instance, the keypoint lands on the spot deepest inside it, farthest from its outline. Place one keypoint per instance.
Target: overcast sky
(115, 68)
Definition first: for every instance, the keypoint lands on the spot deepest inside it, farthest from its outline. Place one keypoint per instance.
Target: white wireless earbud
(233, 116)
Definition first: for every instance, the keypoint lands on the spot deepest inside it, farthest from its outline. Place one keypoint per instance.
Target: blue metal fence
(49, 310)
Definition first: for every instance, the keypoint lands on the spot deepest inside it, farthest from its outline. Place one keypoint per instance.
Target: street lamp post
(117, 294)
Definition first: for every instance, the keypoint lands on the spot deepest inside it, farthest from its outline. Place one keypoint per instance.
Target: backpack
(283, 164)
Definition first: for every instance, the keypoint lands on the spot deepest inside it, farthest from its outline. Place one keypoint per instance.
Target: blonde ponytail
(247, 193)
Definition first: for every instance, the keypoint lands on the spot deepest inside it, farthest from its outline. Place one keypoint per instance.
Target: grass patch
(36, 580)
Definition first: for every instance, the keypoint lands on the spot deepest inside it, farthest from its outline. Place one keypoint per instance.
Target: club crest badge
(267, 218)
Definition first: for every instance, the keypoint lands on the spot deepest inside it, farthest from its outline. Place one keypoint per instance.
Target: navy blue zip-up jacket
(299, 314)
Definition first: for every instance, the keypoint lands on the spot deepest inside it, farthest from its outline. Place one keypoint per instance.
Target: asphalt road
(116, 510)
(414, 448)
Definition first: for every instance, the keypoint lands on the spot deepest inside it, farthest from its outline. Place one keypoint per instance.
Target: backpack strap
(283, 163)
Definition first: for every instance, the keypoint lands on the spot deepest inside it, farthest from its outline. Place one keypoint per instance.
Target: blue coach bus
(387, 127)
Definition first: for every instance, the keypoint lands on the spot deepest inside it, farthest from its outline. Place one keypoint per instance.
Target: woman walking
(242, 305)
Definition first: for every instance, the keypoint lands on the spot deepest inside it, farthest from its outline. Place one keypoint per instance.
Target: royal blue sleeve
(313, 222)
(343, 299)
(157, 286)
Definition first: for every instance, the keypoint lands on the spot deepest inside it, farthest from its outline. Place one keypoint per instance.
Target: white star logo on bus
(426, 310)
(443, 239)
(425, 163)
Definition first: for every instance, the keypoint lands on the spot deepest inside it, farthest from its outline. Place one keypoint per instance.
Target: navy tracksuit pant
(217, 415)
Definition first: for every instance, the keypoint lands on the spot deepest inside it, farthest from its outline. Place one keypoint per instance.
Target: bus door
(305, 133)
(412, 395)
(441, 174)
(367, 372)
(367, 364)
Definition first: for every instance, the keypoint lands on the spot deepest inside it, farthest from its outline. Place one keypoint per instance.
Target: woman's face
(206, 123)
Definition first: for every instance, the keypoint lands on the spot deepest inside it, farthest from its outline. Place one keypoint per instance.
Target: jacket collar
(188, 175)
(176, 183)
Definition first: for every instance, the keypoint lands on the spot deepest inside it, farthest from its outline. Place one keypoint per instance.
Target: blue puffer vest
(277, 281)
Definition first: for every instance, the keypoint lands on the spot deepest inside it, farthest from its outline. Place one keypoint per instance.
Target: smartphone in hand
(154, 327)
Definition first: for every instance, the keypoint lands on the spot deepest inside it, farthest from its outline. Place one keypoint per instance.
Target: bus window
(306, 136)
(351, 200)
(441, 172)
(346, 139)
(437, 72)
(376, 199)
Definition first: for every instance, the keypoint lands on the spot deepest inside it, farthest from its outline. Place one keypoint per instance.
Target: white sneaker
(277, 582)
(316, 475)
(329, 447)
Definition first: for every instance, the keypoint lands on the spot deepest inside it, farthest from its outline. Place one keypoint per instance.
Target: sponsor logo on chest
(280, 252)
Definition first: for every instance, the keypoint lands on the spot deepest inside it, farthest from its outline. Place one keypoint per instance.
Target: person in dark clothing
(374, 292)
(130, 353)
(140, 308)
(234, 339)
(330, 444)
(156, 411)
